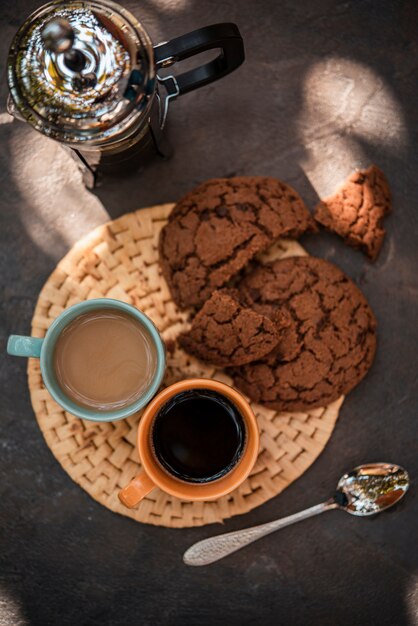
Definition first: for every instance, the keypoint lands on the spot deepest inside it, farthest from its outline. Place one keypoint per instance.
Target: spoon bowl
(372, 488)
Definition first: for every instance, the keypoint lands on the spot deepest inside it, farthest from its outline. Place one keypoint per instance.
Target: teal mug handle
(18, 345)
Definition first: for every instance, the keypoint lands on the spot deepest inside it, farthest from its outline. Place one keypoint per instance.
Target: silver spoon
(366, 490)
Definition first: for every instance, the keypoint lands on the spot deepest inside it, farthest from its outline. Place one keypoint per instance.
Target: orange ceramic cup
(154, 475)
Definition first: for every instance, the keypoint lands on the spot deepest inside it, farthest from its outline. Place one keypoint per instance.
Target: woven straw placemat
(120, 260)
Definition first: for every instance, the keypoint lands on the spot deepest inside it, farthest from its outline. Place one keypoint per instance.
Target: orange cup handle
(137, 489)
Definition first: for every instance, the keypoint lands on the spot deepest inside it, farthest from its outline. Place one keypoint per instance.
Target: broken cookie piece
(216, 229)
(227, 332)
(356, 210)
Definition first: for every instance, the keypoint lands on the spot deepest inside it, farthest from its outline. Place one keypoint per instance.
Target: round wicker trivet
(120, 260)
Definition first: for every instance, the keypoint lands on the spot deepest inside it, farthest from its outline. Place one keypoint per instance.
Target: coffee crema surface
(105, 360)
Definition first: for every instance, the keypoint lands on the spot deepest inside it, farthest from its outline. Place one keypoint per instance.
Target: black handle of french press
(225, 36)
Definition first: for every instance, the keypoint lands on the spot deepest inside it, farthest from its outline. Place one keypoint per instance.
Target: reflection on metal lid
(77, 101)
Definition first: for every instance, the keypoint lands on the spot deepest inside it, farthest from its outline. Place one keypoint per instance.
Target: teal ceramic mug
(44, 349)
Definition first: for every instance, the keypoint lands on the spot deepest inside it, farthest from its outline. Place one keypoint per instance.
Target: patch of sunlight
(346, 105)
(5, 118)
(46, 175)
(171, 6)
(10, 611)
(411, 601)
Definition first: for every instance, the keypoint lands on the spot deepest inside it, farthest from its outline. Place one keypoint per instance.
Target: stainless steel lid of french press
(81, 72)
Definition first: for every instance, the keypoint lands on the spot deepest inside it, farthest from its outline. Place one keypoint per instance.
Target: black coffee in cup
(198, 435)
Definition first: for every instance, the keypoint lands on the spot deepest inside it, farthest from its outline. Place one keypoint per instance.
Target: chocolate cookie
(332, 342)
(218, 227)
(225, 332)
(356, 210)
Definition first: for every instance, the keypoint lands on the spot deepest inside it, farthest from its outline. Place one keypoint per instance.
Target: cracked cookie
(216, 229)
(226, 332)
(332, 341)
(356, 210)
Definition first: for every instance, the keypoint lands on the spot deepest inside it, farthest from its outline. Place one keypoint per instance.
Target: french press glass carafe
(86, 74)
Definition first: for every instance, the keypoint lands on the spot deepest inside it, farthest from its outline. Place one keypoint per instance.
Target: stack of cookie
(294, 334)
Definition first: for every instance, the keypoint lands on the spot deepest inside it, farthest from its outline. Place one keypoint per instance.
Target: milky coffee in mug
(104, 359)
(101, 359)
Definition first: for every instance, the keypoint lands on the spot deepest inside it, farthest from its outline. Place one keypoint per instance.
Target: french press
(86, 74)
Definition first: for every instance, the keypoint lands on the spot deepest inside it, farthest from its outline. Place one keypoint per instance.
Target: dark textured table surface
(327, 86)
